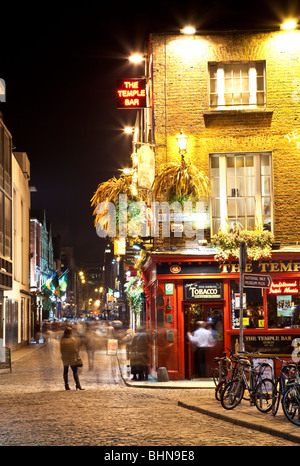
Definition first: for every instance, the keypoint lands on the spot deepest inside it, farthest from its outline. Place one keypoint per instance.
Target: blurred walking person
(70, 357)
(92, 342)
(201, 339)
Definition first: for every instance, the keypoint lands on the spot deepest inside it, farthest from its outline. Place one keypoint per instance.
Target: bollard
(162, 374)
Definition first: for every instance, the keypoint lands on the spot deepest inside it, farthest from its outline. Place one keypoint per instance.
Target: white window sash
(223, 191)
(221, 85)
(252, 84)
(252, 74)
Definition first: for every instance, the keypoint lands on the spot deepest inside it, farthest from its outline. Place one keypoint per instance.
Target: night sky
(60, 64)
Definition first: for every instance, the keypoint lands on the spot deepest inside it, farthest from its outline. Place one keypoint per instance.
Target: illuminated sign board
(119, 246)
(284, 287)
(203, 289)
(131, 93)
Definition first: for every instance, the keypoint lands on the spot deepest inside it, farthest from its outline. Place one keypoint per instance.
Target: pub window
(241, 190)
(240, 84)
(253, 311)
(283, 303)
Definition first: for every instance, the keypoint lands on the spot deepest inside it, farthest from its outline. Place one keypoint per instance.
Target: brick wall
(181, 101)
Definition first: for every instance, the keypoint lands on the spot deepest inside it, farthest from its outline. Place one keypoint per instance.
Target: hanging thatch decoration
(109, 191)
(181, 182)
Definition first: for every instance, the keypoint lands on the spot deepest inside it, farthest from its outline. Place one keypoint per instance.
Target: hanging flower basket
(134, 291)
(258, 242)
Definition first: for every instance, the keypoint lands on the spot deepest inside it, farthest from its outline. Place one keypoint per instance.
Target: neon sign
(131, 93)
(284, 287)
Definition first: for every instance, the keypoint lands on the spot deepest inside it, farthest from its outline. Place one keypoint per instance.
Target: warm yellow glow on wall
(285, 41)
(188, 48)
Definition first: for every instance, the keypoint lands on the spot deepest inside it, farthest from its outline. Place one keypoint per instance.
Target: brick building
(235, 95)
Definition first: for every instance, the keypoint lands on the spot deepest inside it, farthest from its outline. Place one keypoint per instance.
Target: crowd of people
(93, 336)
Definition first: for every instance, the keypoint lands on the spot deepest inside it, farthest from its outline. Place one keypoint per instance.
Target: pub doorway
(212, 315)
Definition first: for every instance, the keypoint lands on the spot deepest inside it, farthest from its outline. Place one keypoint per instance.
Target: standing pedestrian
(70, 357)
(202, 339)
(138, 354)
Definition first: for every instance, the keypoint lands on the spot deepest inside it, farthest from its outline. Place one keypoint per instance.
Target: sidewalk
(205, 402)
(25, 351)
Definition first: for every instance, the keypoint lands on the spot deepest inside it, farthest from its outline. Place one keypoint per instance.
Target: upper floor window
(237, 84)
(241, 190)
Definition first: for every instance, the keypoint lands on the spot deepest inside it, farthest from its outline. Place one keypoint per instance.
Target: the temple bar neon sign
(284, 287)
(131, 93)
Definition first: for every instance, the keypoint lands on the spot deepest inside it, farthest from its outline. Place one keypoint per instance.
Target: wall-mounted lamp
(136, 58)
(289, 25)
(182, 142)
(188, 30)
(128, 130)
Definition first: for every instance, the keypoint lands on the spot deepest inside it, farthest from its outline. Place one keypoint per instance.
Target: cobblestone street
(37, 411)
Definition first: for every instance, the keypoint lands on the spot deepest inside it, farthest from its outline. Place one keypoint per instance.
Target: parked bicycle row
(242, 376)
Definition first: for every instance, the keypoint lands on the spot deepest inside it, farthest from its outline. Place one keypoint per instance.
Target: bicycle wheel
(263, 395)
(276, 395)
(291, 404)
(232, 394)
(219, 389)
(216, 375)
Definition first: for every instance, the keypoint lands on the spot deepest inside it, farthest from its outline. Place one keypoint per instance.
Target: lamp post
(182, 140)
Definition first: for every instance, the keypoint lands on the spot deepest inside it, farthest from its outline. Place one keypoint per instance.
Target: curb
(157, 385)
(242, 423)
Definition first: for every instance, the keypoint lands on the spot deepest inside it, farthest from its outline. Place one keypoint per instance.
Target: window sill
(237, 111)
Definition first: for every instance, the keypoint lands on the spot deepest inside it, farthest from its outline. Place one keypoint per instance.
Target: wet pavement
(115, 411)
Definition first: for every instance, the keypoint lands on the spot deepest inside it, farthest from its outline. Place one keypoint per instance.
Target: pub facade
(183, 289)
(235, 96)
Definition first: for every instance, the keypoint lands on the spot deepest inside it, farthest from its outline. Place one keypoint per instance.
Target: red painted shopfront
(183, 289)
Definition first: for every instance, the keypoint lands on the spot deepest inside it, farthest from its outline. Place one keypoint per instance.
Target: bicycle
(259, 388)
(226, 371)
(219, 373)
(287, 374)
(291, 403)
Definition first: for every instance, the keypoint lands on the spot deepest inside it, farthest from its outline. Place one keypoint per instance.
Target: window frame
(258, 195)
(220, 87)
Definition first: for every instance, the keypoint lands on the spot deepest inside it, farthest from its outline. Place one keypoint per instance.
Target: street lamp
(182, 140)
